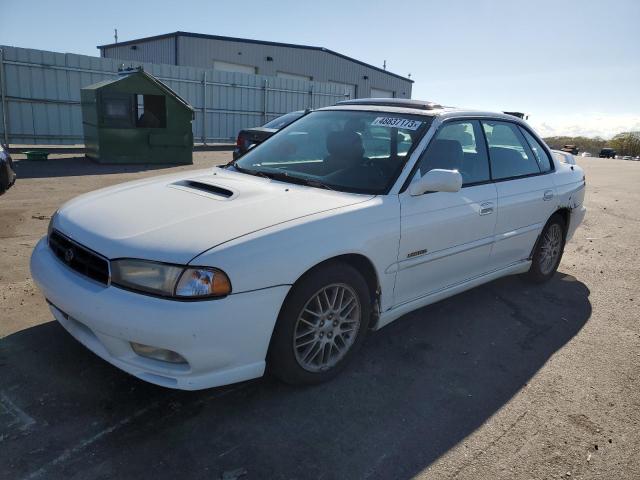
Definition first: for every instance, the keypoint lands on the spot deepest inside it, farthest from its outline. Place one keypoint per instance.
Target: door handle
(486, 208)
(548, 195)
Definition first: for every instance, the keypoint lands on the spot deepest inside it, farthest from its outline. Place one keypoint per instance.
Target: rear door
(526, 193)
(446, 236)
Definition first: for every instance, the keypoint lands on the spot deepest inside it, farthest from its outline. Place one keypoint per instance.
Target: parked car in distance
(342, 222)
(627, 157)
(572, 149)
(586, 154)
(250, 137)
(607, 153)
(7, 175)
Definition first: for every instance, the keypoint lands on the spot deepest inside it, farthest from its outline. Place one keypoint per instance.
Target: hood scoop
(204, 189)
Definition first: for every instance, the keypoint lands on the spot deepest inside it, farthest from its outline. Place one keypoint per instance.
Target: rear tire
(321, 325)
(548, 251)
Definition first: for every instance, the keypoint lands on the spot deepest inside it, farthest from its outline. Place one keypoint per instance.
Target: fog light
(157, 353)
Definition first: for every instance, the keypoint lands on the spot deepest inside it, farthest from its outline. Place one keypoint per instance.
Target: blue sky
(573, 65)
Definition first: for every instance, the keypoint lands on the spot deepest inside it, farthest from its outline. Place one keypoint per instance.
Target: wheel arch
(364, 266)
(358, 261)
(565, 214)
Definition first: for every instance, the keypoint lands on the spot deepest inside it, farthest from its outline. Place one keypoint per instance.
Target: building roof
(249, 40)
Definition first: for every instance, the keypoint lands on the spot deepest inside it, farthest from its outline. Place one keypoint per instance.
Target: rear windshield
(352, 151)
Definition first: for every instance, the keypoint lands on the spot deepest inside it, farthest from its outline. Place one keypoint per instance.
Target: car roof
(416, 107)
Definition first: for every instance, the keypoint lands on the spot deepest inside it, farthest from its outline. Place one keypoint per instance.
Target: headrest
(345, 144)
(505, 162)
(445, 154)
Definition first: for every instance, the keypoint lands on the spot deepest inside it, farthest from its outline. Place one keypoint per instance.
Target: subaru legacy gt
(284, 259)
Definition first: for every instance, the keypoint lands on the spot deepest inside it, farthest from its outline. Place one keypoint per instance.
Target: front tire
(548, 251)
(321, 325)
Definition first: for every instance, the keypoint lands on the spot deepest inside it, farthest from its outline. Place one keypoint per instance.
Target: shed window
(116, 110)
(152, 111)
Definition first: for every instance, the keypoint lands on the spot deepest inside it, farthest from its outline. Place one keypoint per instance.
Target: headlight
(167, 280)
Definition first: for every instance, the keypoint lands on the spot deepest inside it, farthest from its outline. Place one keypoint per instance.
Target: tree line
(626, 143)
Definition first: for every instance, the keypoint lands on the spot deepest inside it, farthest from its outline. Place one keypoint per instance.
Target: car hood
(174, 218)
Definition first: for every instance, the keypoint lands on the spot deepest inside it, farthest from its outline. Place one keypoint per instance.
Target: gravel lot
(504, 381)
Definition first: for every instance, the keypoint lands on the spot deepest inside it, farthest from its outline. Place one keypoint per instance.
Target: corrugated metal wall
(41, 101)
(322, 66)
(162, 50)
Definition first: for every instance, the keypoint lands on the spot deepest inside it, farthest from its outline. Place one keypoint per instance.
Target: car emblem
(68, 255)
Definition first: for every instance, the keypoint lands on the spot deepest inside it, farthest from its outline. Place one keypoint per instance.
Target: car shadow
(417, 388)
(78, 166)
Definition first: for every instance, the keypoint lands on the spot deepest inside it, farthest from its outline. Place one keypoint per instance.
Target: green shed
(136, 118)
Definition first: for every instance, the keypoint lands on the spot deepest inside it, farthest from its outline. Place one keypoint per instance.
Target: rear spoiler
(564, 157)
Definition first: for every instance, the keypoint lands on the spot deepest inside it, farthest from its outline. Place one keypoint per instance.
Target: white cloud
(588, 125)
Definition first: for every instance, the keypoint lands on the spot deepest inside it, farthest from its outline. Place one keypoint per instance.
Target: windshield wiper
(285, 177)
(255, 173)
(317, 184)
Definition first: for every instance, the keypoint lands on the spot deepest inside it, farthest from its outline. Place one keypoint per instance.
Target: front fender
(281, 254)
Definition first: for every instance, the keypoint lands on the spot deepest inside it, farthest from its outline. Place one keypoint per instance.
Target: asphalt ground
(508, 380)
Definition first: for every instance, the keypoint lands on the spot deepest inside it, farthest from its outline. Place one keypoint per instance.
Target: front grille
(79, 258)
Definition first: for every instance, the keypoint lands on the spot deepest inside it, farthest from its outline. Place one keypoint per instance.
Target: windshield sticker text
(392, 122)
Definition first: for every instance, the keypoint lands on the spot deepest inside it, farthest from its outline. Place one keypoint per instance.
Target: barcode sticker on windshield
(392, 122)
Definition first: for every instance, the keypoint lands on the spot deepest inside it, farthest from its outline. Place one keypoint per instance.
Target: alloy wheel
(327, 327)
(550, 248)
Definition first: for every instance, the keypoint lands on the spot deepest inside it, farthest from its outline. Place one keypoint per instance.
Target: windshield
(283, 120)
(351, 151)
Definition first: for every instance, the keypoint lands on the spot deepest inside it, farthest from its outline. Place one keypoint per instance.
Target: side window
(457, 146)
(540, 153)
(509, 152)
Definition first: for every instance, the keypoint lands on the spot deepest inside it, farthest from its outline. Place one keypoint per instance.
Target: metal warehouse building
(257, 57)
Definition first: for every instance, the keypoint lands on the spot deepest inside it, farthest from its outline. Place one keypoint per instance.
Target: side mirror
(437, 180)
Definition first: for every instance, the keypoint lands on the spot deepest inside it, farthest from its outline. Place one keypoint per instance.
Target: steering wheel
(377, 167)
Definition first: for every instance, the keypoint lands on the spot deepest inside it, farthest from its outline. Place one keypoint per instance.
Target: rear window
(540, 153)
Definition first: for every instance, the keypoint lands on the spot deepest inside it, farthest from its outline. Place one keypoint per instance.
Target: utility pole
(115, 34)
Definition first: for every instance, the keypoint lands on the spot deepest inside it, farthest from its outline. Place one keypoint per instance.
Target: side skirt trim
(398, 310)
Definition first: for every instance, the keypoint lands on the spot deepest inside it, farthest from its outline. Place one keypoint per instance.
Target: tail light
(240, 141)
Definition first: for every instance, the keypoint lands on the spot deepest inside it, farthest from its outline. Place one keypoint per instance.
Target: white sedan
(340, 223)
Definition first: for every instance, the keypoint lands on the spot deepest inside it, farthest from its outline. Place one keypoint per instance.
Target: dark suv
(607, 153)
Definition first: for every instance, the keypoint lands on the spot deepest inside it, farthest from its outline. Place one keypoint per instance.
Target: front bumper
(224, 341)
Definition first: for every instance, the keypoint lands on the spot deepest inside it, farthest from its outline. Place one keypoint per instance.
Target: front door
(446, 237)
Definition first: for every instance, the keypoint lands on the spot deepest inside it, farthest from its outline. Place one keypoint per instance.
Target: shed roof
(141, 73)
(250, 40)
